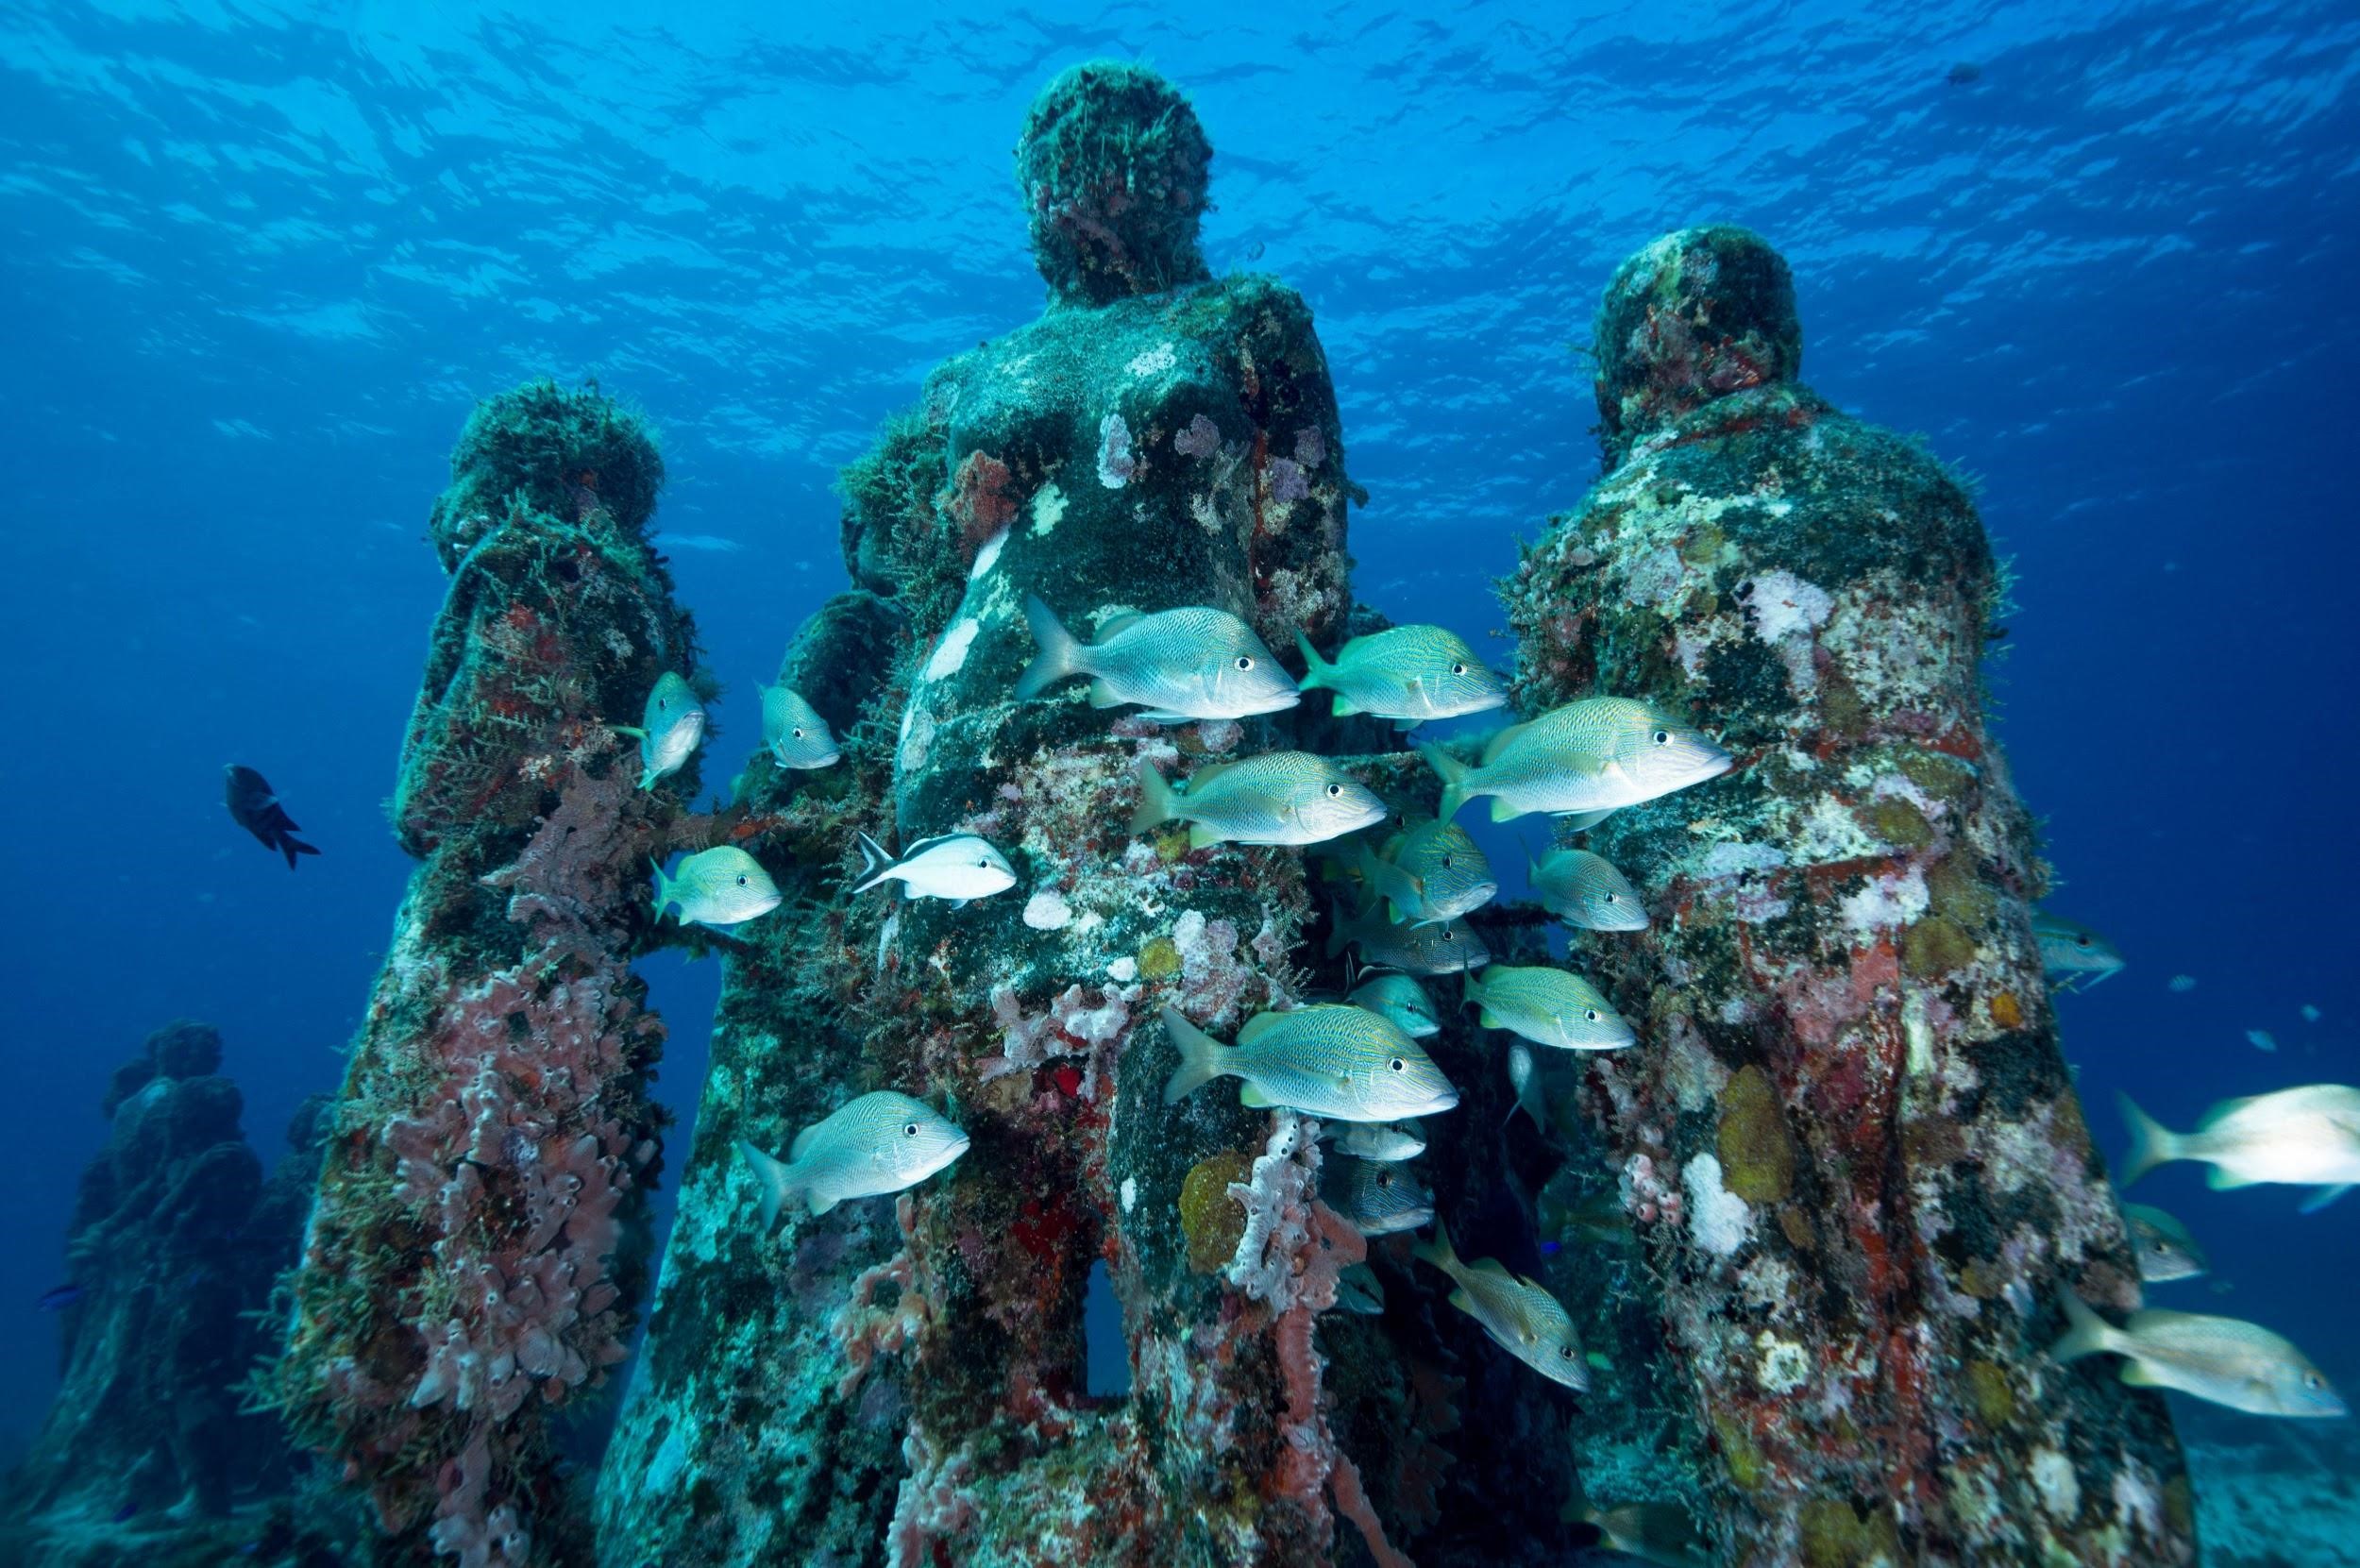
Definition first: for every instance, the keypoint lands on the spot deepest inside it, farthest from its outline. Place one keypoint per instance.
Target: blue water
(259, 260)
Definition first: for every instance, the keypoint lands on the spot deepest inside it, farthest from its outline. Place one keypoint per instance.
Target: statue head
(1112, 164)
(1697, 314)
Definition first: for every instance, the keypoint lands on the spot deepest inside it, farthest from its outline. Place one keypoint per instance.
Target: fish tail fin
(874, 863)
(1453, 776)
(2152, 1142)
(662, 890)
(632, 731)
(1315, 670)
(1199, 1059)
(1158, 804)
(1405, 892)
(2087, 1333)
(291, 847)
(648, 776)
(2323, 1197)
(1436, 1249)
(775, 1178)
(1061, 652)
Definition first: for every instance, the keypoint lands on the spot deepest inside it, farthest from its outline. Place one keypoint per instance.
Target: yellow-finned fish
(1382, 1140)
(1330, 1060)
(1548, 1006)
(1444, 949)
(881, 1142)
(1279, 798)
(1401, 998)
(2306, 1136)
(670, 729)
(722, 887)
(2165, 1248)
(2223, 1360)
(1186, 664)
(1586, 758)
(1520, 1316)
(1406, 673)
(1586, 891)
(1383, 1197)
(793, 732)
(1431, 874)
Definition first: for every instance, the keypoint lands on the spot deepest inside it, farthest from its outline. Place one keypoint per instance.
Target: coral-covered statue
(469, 1266)
(1850, 1147)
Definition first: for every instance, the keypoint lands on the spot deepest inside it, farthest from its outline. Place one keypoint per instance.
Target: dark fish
(254, 807)
(1965, 73)
(62, 1297)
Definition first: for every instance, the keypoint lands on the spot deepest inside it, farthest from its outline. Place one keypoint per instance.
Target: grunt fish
(1330, 1060)
(1186, 664)
(2222, 1361)
(957, 866)
(1408, 673)
(881, 1142)
(255, 807)
(793, 732)
(1400, 998)
(1431, 874)
(722, 887)
(1382, 1197)
(670, 731)
(1280, 797)
(1520, 1316)
(1589, 757)
(1586, 891)
(1358, 1289)
(2307, 1136)
(2166, 1250)
(1548, 1006)
(1659, 1533)
(1444, 949)
(1375, 1139)
(2073, 956)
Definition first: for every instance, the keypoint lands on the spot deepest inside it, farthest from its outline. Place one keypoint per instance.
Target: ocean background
(257, 261)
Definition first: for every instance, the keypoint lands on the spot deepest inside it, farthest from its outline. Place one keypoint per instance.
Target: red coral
(979, 500)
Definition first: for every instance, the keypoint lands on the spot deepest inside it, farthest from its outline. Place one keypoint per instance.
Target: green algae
(1757, 1153)
(1213, 1220)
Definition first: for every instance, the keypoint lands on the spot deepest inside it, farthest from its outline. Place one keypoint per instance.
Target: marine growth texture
(901, 1380)
(1850, 1146)
(471, 1265)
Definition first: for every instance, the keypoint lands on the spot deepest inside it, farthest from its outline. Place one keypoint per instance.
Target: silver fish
(1444, 949)
(670, 731)
(793, 732)
(951, 866)
(1330, 1060)
(1387, 1141)
(2306, 1136)
(1280, 797)
(1548, 1006)
(1431, 874)
(1524, 1076)
(2165, 1249)
(1593, 756)
(1408, 673)
(2071, 956)
(2223, 1360)
(1520, 1316)
(722, 887)
(881, 1142)
(1586, 891)
(1382, 1197)
(1401, 999)
(1660, 1533)
(1186, 664)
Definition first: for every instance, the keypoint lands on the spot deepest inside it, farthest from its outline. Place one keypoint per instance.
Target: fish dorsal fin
(1207, 774)
(802, 1141)
(1117, 624)
(2225, 1109)
(913, 851)
(1258, 1025)
(1490, 1266)
(1498, 740)
(2158, 1319)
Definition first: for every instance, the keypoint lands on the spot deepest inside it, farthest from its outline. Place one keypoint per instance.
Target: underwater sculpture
(1850, 1147)
(175, 1238)
(472, 1260)
(901, 1378)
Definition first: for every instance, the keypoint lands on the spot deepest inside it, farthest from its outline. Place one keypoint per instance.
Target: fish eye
(1245, 661)
(1446, 863)
(741, 882)
(1334, 790)
(1384, 1178)
(1613, 898)
(2080, 941)
(1399, 1066)
(1589, 1013)
(1663, 737)
(909, 1129)
(2313, 1380)
(984, 865)
(1566, 1352)
(1449, 936)
(1458, 669)
(797, 731)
